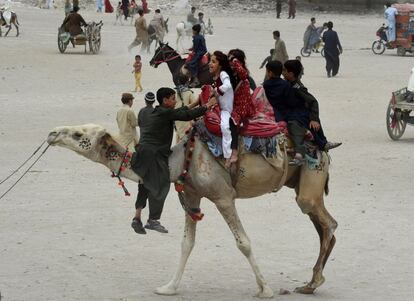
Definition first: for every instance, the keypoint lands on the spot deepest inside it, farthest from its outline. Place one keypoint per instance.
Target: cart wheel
(95, 44)
(400, 51)
(305, 52)
(378, 47)
(323, 52)
(396, 122)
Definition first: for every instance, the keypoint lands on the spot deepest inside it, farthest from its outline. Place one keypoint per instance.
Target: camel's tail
(327, 186)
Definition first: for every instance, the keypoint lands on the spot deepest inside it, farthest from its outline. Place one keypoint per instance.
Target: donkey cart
(398, 113)
(91, 37)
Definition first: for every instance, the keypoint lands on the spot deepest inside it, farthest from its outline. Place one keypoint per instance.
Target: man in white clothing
(127, 123)
(389, 14)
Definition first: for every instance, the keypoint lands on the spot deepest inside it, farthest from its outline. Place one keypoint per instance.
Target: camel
(207, 178)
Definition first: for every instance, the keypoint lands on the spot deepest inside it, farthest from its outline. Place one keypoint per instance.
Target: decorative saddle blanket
(262, 124)
(204, 60)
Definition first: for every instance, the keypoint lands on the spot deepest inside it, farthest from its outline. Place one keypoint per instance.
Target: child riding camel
(224, 81)
(294, 105)
(243, 107)
(291, 72)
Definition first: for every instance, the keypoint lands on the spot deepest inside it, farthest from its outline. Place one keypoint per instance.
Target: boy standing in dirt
(137, 70)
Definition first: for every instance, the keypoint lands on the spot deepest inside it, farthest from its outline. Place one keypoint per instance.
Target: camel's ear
(106, 140)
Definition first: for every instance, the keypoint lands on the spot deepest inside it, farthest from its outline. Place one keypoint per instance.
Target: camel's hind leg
(187, 245)
(228, 210)
(311, 202)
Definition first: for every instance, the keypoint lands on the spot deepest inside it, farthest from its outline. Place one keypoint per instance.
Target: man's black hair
(276, 33)
(275, 67)
(157, 10)
(138, 56)
(312, 19)
(76, 9)
(164, 92)
(294, 66)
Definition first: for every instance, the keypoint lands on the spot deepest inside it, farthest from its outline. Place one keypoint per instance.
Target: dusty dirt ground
(65, 229)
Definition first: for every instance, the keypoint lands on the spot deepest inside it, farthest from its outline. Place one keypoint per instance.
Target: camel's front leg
(227, 208)
(186, 247)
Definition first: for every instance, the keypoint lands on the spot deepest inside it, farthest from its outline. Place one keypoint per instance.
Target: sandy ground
(65, 229)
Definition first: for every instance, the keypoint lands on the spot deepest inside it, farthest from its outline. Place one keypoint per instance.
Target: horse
(7, 18)
(152, 35)
(176, 64)
(184, 29)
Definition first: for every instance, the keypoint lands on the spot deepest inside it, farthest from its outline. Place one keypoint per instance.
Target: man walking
(280, 53)
(278, 8)
(292, 9)
(190, 17)
(333, 49)
(141, 33)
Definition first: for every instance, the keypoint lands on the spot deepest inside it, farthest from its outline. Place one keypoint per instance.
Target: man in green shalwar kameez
(153, 150)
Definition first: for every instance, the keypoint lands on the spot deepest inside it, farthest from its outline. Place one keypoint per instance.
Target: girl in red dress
(243, 107)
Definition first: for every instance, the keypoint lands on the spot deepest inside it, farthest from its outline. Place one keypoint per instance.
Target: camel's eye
(77, 135)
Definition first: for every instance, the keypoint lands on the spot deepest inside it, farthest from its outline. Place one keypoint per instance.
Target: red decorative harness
(194, 213)
(124, 163)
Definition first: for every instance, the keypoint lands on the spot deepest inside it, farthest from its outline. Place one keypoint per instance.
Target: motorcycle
(379, 46)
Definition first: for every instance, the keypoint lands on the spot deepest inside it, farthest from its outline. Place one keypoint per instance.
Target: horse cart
(398, 113)
(404, 25)
(91, 37)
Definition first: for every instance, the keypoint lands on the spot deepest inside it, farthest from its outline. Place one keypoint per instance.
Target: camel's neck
(112, 157)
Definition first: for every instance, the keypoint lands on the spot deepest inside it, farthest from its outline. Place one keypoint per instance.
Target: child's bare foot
(228, 163)
(234, 156)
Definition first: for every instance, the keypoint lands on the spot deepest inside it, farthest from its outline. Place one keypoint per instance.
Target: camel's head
(88, 140)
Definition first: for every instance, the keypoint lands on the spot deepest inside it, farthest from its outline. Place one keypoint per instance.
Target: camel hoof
(165, 290)
(306, 290)
(265, 293)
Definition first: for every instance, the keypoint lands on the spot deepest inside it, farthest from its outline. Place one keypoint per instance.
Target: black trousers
(297, 133)
(278, 10)
(234, 135)
(155, 206)
(332, 64)
(126, 12)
